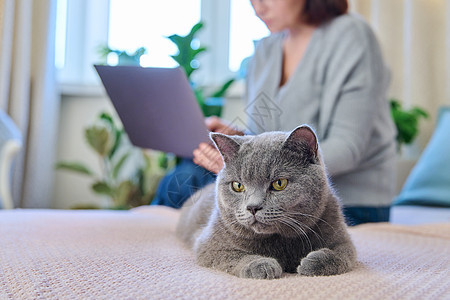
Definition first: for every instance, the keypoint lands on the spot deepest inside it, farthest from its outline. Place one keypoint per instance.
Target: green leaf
(176, 39)
(140, 174)
(104, 50)
(186, 54)
(395, 104)
(117, 141)
(406, 121)
(195, 52)
(107, 118)
(101, 187)
(119, 165)
(163, 161)
(195, 28)
(100, 139)
(148, 160)
(418, 112)
(198, 92)
(75, 167)
(139, 52)
(123, 193)
(223, 89)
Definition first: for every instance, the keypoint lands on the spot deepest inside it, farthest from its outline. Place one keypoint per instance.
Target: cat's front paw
(322, 262)
(262, 268)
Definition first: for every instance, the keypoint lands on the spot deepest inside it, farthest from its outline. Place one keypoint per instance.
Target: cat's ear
(226, 145)
(302, 135)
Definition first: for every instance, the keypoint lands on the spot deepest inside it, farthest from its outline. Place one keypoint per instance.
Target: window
(135, 23)
(84, 25)
(245, 28)
(60, 34)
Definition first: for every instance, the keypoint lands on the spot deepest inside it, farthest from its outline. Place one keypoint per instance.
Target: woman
(323, 67)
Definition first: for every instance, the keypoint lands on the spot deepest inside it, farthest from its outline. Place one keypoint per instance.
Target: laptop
(157, 107)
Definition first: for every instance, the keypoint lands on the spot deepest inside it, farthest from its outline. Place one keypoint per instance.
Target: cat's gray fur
(299, 229)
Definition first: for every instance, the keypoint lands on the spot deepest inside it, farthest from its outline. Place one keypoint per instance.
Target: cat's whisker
(293, 228)
(299, 226)
(292, 214)
(297, 229)
(318, 236)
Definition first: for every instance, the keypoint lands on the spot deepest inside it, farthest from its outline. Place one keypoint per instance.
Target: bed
(105, 254)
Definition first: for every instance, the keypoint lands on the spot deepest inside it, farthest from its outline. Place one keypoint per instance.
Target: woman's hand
(216, 124)
(208, 157)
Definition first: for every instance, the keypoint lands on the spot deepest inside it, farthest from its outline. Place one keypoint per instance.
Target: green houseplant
(124, 58)
(186, 57)
(406, 122)
(124, 189)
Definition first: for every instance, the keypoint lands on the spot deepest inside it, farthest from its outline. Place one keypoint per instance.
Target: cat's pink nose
(253, 208)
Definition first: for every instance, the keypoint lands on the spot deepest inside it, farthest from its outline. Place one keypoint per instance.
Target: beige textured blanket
(47, 254)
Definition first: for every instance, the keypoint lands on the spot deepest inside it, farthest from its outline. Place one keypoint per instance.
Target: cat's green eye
(237, 187)
(279, 184)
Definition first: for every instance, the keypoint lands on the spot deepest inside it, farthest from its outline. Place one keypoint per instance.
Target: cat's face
(271, 183)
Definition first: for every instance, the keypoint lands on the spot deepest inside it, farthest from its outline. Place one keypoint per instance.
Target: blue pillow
(429, 181)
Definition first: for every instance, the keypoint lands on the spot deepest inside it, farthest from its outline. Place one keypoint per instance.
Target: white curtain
(28, 94)
(415, 37)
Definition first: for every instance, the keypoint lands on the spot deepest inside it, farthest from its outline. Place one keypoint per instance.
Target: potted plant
(124, 189)
(124, 58)
(406, 122)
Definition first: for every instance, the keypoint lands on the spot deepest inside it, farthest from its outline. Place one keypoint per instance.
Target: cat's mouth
(256, 223)
(260, 227)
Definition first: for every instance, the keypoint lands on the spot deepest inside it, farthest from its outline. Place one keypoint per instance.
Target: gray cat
(272, 210)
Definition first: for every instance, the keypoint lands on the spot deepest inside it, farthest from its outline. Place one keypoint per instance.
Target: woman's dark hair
(317, 12)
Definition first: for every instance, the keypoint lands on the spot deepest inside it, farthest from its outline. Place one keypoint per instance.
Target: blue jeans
(355, 215)
(177, 186)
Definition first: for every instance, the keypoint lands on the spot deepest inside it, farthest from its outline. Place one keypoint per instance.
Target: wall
(415, 39)
(77, 112)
